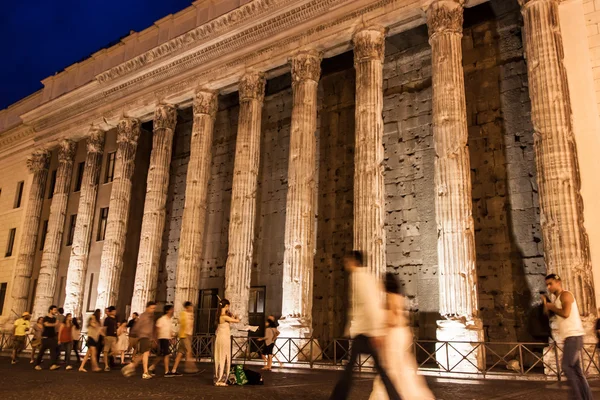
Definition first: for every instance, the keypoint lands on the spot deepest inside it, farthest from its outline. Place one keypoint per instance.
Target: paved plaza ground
(22, 382)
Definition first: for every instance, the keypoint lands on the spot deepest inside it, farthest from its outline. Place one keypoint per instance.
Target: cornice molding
(213, 28)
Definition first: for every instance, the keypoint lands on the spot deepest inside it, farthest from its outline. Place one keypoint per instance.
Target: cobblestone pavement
(22, 382)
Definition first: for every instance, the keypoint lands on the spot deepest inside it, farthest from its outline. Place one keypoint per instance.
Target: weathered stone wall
(506, 211)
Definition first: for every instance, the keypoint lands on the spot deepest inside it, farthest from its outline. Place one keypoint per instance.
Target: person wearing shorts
(164, 333)
(133, 340)
(186, 330)
(110, 335)
(144, 330)
(20, 331)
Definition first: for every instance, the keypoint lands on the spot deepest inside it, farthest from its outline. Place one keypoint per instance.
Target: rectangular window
(43, 235)
(79, 177)
(33, 293)
(207, 311)
(90, 307)
(110, 167)
(11, 242)
(19, 195)
(2, 296)
(256, 310)
(72, 223)
(102, 224)
(52, 184)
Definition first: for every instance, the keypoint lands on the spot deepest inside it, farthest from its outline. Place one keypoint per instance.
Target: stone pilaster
(37, 164)
(369, 188)
(566, 247)
(196, 190)
(111, 262)
(456, 240)
(46, 286)
(76, 273)
(243, 194)
(153, 221)
(298, 257)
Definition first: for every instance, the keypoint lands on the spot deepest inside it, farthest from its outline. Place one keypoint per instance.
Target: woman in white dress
(396, 356)
(223, 343)
(123, 340)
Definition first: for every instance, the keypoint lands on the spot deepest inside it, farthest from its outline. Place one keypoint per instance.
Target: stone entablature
(258, 34)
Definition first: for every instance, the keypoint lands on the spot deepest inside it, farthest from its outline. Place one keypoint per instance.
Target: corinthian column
(566, 247)
(298, 258)
(46, 286)
(456, 240)
(153, 221)
(196, 190)
(111, 262)
(369, 188)
(243, 194)
(37, 164)
(76, 274)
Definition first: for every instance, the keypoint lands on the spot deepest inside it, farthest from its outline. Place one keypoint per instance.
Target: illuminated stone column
(243, 194)
(37, 164)
(369, 187)
(46, 285)
(298, 258)
(111, 262)
(456, 240)
(566, 247)
(76, 274)
(153, 221)
(196, 190)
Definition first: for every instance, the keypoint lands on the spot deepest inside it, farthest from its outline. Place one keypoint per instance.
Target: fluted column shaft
(80, 249)
(456, 240)
(196, 190)
(153, 221)
(243, 194)
(37, 164)
(298, 257)
(369, 187)
(111, 262)
(566, 247)
(46, 285)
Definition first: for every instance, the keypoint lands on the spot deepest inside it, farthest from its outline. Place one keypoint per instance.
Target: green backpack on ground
(240, 375)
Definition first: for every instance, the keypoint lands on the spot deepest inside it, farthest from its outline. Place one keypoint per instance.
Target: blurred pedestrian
(76, 335)
(49, 340)
(21, 328)
(144, 330)
(36, 341)
(122, 340)
(93, 335)
(164, 334)
(184, 348)
(65, 339)
(110, 336)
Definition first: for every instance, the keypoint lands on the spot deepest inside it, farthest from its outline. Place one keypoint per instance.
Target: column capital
(165, 117)
(205, 102)
(128, 130)
(369, 44)
(445, 16)
(306, 65)
(252, 86)
(95, 141)
(66, 151)
(38, 160)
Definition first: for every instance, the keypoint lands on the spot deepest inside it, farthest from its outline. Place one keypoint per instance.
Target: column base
(462, 354)
(295, 341)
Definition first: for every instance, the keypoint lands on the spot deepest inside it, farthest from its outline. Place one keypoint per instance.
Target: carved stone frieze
(369, 44)
(38, 160)
(306, 65)
(252, 86)
(165, 117)
(445, 16)
(205, 102)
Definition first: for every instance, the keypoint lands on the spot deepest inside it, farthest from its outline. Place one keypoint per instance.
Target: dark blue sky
(42, 37)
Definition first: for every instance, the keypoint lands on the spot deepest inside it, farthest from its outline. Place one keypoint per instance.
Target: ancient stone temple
(239, 148)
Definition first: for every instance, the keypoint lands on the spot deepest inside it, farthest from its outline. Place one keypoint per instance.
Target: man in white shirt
(164, 334)
(367, 324)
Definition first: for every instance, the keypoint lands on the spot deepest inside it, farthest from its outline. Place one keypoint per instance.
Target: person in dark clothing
(597, 330)
(110, 337)
(49, 340)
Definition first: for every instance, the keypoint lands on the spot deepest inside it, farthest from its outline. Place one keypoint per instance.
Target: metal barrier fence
(511, 360)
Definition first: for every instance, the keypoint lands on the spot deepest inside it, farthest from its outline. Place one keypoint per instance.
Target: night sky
(41, 37)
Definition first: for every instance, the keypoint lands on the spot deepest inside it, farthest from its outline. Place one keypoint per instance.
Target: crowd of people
(378, 326)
